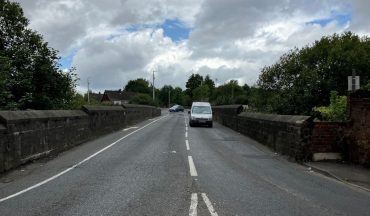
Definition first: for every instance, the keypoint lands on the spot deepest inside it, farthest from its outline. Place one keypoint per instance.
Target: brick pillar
(359, 130)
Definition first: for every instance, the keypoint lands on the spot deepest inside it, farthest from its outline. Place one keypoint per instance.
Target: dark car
(177, 108)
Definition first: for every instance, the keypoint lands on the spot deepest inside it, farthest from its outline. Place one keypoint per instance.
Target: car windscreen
(201, 110)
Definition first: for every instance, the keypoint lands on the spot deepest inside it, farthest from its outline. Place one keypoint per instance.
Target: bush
(337, 110)
(143, 99)
(241, 99)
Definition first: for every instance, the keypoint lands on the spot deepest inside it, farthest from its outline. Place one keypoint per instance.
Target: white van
(200, 114)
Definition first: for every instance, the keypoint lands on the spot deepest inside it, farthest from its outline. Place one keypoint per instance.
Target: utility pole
(88, 91)
(169, 97)
(153, 86)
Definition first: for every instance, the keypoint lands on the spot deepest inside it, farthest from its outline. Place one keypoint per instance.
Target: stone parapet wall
(285, 134)
(304, 139)
(288, 135)
(29, 135)
(32, 134)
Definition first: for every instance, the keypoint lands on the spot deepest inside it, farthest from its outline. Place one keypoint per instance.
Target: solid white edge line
(187, 145)
(209, 205)
(76, 165)
(193, 171)
(193, 204)
(126, 129)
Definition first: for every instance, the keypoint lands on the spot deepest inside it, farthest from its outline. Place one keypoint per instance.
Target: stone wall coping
(330, 122)
(235, 106)
(90, 108)
(293, 119)
(29, 115)
(136, 105)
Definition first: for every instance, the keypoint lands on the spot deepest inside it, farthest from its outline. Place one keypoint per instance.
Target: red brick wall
(359, 131)
(327, 137)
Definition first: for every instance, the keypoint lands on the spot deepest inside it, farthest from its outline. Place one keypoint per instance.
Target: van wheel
(191, 124)
(210, 125)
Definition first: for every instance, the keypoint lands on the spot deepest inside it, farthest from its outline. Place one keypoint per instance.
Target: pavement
(355, 175)
(164, 167)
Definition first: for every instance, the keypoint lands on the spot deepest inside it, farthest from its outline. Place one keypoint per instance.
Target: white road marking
(193, 171)
(186, 134)
(209, 205)
(186, 128)
(193, 205)
(130, 128)
(187, 145)
(76, 165)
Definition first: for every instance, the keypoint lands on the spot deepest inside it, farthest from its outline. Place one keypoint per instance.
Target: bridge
(139, 160)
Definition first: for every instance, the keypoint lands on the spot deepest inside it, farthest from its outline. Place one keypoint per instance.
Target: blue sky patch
(175, 29)
(172, 28)
(66, 61)
(341, 18)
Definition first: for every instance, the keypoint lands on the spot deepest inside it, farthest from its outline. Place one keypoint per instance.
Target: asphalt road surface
(163, 167)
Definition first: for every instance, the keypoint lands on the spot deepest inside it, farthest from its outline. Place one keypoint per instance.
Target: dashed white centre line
(193, 205)
(187, 145)
(209, 205)
(186, 134)
(193, 171)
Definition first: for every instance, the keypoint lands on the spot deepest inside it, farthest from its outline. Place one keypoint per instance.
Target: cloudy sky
(113, 41)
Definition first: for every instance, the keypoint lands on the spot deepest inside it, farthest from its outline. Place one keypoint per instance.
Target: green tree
(201, 93)
(164, 94)
(78, 101)
(139, 86)
(30, 77)
(210, 83)
(177, 96)
(194, 81)
(303, 78)
(143, 99)
(227, 93)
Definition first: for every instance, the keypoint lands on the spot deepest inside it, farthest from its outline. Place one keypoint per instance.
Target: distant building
(117, 97)
(96, 96)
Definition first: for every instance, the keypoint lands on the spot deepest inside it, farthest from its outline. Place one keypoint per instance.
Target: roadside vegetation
(30, 75)
(336, 110)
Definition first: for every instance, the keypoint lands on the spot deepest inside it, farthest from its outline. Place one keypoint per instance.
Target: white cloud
(230, 39)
